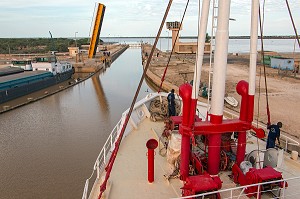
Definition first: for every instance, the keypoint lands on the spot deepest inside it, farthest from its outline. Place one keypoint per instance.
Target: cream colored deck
(129, 178)
(289, 169)
(129, 174)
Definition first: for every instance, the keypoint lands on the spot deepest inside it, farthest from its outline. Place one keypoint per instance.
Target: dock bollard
(151, 145)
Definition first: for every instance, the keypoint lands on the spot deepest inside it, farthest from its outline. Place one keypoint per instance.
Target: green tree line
(38, 45)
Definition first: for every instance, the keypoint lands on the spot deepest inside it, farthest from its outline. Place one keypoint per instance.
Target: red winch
(254, 176)
(190, 126)
(200, 184)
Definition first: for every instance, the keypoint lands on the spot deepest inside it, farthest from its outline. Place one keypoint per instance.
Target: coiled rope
(159, 109)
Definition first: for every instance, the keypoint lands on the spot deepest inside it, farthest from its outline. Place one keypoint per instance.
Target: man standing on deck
(274, 134)
(171, 103)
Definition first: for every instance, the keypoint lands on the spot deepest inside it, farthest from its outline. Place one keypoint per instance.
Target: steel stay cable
(259, 81)
(198, 32)
(163, 77)
(295, 29)
(261, 23)
(92, 20)
(118, 142)
(264, 65)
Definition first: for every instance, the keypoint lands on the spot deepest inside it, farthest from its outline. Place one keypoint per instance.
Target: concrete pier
(85, 65)
(179, 66)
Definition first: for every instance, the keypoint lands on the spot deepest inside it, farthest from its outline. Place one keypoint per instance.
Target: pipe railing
(104, 153)
(288, 140)
(103, 156)
(108, 147)
(241, 189)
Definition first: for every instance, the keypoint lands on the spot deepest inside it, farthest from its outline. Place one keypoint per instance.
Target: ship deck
(129, 174)
(21, 75)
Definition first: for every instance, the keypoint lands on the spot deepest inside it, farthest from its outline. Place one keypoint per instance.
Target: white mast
(202, 27)
(253, 46)
(220, 66)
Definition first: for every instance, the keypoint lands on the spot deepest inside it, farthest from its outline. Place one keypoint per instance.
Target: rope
(163, 77)
(259, 82)
(159, 109)
(295, 29)
(211, 54)
(258, 100)
(92, 21)
(118, 142)
(261, 23)
(263, 57)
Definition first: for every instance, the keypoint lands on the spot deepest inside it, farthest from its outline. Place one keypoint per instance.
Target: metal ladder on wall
(212, 49)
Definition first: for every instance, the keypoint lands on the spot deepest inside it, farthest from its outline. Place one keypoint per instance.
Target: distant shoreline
(182, 37)
(194, 37)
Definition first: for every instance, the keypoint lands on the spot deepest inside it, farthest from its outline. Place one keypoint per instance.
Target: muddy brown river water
(48, 148)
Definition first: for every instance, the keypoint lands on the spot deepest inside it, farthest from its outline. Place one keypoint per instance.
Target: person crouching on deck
(171, 103)
(274, 134)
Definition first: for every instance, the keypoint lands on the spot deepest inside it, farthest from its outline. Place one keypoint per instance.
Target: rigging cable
(261, 25)
(92, 21)
(295, 29)
(214, 23)
(118, 142)
(264, 65)
(163, 77)
(261, 22)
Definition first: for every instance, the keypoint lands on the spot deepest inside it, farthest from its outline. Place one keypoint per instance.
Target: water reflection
(101, 95)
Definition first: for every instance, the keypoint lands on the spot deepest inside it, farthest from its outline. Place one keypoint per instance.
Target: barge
(47, 71)
(22, 63)
(10, 70)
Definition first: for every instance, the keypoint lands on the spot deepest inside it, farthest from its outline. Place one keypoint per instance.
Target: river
(234, 46)
(48, 148)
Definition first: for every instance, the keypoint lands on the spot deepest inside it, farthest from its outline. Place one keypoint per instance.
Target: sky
(140, 18)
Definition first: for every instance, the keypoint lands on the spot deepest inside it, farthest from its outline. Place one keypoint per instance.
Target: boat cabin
(50, 63)
(24, 64)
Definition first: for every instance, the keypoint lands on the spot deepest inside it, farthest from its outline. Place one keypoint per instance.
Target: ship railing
(287, 140)
(290, 189)
(103, 156)
(109, 146)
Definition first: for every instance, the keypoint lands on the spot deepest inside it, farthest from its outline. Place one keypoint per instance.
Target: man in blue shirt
(274, 134)
(171, 103)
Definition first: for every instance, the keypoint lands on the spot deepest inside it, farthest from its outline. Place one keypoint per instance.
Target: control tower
(175, 27)
(183, 47)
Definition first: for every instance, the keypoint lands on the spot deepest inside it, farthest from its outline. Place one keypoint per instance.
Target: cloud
(125, 18)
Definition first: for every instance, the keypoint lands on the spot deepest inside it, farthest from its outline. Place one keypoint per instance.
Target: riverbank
(96, 64)
(283, 88)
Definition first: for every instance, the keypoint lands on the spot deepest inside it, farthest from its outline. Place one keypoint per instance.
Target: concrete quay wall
(156, 80)
(151, 76)
(97, 63)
